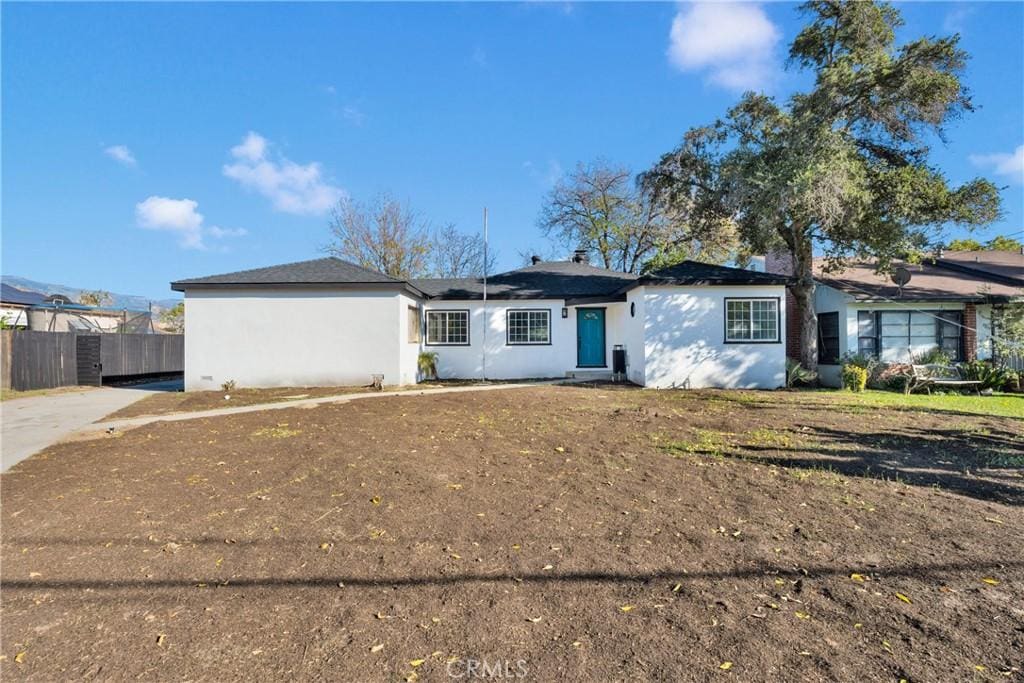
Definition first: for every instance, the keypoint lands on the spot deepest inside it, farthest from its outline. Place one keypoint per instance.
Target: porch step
(591, 375)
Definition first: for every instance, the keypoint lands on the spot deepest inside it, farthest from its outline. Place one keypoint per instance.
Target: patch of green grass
(770, 438)
(1005, 460)
(705, 442)
(997, 405)
(281, 431)
(970, 429)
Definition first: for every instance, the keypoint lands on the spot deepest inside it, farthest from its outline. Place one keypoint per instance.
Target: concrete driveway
(31, 424)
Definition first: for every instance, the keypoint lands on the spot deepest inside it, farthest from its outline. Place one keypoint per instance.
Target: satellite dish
(901, 276)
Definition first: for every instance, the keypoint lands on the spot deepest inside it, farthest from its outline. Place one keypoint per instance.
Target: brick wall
(970, 334)
(792, 326)
(781, 263)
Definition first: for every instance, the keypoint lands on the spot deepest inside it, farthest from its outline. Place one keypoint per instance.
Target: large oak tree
(842, 169)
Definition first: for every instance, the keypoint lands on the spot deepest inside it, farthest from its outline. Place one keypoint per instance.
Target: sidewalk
(131, 422)
(32, 423)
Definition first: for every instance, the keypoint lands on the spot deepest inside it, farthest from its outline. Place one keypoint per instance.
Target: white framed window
(448, 328)
(528, 326)
(752, 321)
(902, 336)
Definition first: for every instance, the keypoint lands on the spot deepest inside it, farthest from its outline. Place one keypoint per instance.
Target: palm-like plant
(797, 374)
(427, 363)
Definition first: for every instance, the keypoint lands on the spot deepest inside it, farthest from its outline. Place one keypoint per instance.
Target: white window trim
(508, 327)
(447, 311)
(742, 340)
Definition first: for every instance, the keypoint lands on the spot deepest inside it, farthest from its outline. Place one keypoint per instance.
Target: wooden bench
(934, 375)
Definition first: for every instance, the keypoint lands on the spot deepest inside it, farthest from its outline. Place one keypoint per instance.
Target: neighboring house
(951, 301)
(330, 322)
(57, 313)
(14, 305)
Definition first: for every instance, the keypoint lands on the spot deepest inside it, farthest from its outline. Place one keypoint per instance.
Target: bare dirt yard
(168, 402)
(557, 533)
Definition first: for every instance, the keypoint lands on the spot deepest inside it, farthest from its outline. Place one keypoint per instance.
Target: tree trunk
(803, 292)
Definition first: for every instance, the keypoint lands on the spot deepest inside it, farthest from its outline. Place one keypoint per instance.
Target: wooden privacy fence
(43, 360)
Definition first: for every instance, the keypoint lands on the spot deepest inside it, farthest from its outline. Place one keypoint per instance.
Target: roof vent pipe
(535, 259)
(580, 256)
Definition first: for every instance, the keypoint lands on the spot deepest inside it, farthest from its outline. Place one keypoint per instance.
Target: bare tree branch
(455, 254)
(384, 235)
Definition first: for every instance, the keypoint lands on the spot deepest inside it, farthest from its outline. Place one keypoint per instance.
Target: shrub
(934, 356)
(890, 377)
(861, 360)
(990, 375)
(228, 387)
(1013, 381)
(798, 374)
(427, 363)
(855, 377)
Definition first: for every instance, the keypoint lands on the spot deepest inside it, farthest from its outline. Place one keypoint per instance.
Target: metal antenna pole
(487, 322)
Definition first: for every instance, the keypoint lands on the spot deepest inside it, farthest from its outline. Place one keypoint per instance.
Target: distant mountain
(129, 301)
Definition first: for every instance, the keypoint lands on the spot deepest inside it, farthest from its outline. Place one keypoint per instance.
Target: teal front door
(590, 338)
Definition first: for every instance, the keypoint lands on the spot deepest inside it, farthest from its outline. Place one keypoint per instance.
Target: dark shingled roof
(545, 280)
(322, 271)
(19, 297)
(1006, 267)
(928, 282)
(696, 273)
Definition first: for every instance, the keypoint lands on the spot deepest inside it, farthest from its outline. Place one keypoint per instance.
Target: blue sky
(149, 142)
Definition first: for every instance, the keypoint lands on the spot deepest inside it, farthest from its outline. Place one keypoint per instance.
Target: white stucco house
(951, 301)
(330, 322)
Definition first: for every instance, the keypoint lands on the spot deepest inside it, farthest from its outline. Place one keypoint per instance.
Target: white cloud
(181, 217)
(549, 175)
(353, 114)
(1009, 165)
(215, 231)
(253, 148)
(174, 215)
(121, 154)
(956, 18)
(479, 57)
(293, 188)
(733, 42)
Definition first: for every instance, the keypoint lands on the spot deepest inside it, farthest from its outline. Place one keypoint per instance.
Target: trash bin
(618, 361)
